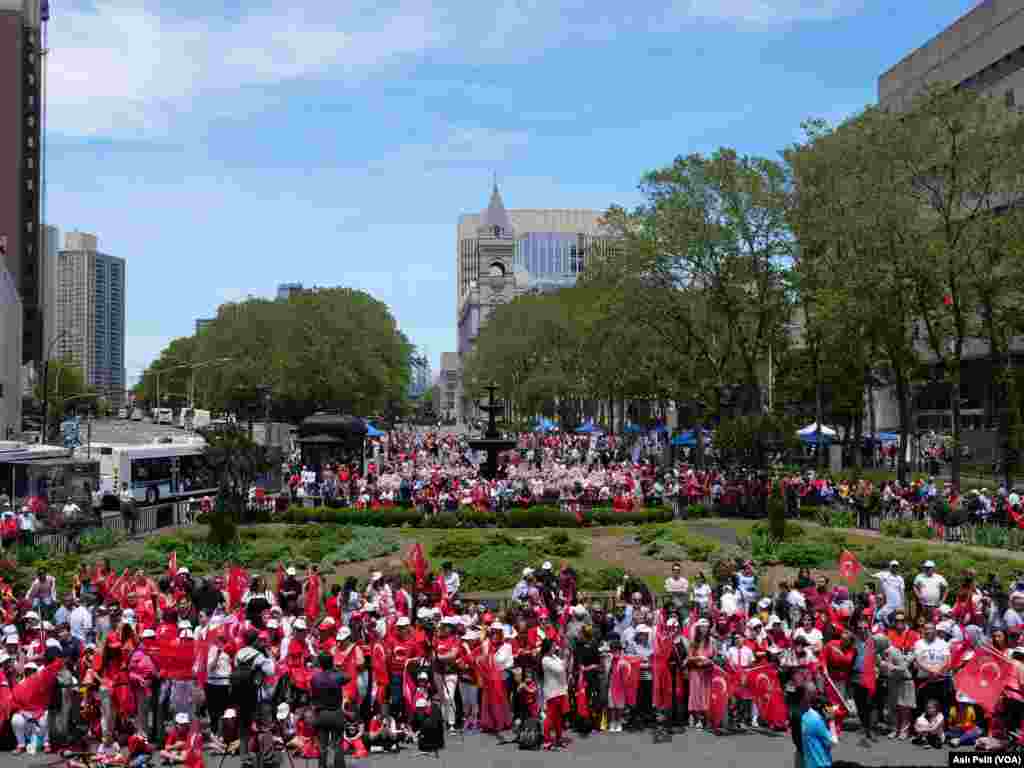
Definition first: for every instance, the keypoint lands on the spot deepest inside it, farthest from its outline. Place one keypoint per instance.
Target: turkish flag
(835, 699)
(33, 694)
(849, 566)
(238, 580)
(869, 674)
(417, 563)
(312, 607)
(763, 681)
(985, 676)
(718, 697)
(194, 751)
(582, 704)
(172, 564)
(279, 583)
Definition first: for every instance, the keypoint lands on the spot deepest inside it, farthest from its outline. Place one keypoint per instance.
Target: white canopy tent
(812, 429)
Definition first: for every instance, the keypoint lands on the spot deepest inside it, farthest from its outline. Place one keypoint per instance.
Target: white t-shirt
(702, 594)
(893, 587)
(677, 586)
(932, 656)
(814, 637)
(555, 679)
(930, 588)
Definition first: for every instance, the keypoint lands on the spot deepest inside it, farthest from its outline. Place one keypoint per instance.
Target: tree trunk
(903, 398)
(955, 396)
(819, 414)
(872, 418)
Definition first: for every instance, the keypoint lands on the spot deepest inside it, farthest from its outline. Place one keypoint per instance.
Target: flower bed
(537, 516)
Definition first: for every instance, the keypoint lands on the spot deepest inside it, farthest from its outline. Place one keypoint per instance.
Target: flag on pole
(172, 563)
(849, 566)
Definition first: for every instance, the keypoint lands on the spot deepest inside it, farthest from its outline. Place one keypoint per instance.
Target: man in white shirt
(893, 587)
(80, 621)
(451, 580)
(71, 511)
(929, 588)
(677, 586)
(931, 654)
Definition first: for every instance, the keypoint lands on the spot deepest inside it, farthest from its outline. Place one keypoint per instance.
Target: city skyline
(181, 189)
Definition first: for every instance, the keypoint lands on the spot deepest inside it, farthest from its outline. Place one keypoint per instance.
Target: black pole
(46, 398)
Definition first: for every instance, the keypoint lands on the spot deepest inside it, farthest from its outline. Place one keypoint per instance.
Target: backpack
(246, 679)
(530, 735)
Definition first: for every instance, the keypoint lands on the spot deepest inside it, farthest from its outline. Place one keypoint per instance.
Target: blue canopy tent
(812, 439)
(633, 429)
(544, 425)
(372, 431)
(660, 428)
(589, 429)
(689, 438)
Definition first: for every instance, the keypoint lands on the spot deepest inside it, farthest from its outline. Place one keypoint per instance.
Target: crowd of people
(440, 473)
(131, 667)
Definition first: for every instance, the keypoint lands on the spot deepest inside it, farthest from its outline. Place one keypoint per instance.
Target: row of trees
(882, 252)
(332, 348)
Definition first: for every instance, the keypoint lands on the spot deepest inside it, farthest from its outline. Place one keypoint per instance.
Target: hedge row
(539, 516)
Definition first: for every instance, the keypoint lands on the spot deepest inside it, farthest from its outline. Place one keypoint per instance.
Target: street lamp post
(46, 383)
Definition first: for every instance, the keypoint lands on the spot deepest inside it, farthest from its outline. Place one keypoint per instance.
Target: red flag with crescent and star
(985, 676)
(836, 700)
(763, 681)
(719, 695)
(849, 566)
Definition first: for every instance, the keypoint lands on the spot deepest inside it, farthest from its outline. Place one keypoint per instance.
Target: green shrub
(495, 569)
(458, 546)
(601, 580)
(792, 531)
(806, 554)
(697, 511)
(989, 536)
(836, 518)
(724, 562)
(365, 544)
(444, 520)
(666, 550)
(560, 544)
(96, 539)
(907, 529)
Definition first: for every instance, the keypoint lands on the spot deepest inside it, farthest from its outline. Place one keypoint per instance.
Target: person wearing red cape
(495, 715)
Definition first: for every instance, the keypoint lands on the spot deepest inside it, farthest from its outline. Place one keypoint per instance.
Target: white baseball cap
(182, 570)
(376, 576)
(181, 718)
(894, 562)
(527, 572)
(344, 633)
(290, 571)
(300, 623)
(283, 710)
(229, 713)
(4, 657)
(547, 565)
(147, 633)
(928, 564)
(403, 621)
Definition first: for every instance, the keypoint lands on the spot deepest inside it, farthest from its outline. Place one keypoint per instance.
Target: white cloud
(769, 11)
(120, 69)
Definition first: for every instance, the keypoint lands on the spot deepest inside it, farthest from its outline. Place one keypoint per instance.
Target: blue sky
(222, 148)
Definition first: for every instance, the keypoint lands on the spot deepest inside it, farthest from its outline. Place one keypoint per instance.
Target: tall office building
(90, 312)
(449, 385)
(286, 290)
(982, 50)
(501, 254)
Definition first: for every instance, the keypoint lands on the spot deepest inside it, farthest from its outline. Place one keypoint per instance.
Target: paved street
(607, 751)
(128, 432)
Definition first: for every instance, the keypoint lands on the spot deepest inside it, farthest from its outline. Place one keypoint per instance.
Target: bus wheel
(152, 495)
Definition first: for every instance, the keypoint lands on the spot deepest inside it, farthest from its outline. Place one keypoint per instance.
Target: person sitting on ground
(176, 743)
(963, 730)
(929, 727)
(383, 734)
(227, 742)
(109, 752)
(428, 726)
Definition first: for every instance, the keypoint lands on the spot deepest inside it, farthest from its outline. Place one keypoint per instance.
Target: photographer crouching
(327, 699)
(253, 666)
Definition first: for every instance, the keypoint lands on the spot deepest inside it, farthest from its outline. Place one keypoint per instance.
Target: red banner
(172, 564)
(417, 563)
(238, 581)
(312, 597)
(33, 694)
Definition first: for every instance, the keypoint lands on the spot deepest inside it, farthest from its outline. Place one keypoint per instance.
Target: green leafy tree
(235, 461)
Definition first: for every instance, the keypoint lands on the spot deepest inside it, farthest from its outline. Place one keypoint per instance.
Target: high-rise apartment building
(10, 355)
(501, 254)
(90, 312)
(21, 160)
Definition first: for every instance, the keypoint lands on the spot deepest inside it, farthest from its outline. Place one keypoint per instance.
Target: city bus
(156, 472)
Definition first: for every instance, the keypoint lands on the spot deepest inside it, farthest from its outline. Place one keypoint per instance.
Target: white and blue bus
(156, 472)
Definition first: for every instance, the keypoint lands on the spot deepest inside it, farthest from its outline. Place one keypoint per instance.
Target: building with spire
(501, 254)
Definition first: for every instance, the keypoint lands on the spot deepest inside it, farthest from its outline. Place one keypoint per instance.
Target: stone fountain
(491, 442)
